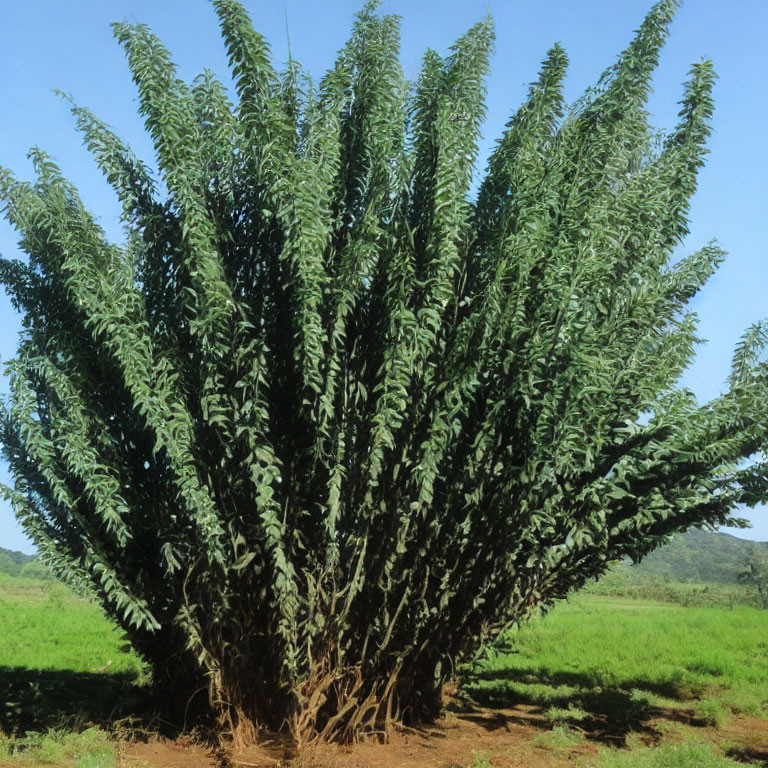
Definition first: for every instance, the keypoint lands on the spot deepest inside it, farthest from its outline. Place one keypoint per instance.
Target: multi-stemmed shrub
(331, 415)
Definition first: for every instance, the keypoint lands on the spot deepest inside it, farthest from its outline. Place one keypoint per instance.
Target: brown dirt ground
(748, 738)
(166, 754)
(505, 737)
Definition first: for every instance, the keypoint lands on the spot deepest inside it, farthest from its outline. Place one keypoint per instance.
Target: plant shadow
(602, 713)
(36, 700)
(750, 755)
(39, 699)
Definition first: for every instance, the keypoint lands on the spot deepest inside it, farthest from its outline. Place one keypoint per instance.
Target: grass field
(620, 659)
(44, 626)
(601, 681)
(63, 665)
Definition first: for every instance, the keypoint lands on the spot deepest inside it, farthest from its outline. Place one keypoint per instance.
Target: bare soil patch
(165, 753)
(505, 738)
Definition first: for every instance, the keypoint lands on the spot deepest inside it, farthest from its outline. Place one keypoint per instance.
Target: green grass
(61, 660)
(559, 738)
(91, 748)
(45, 626)
(482, 760)
(623, 659)
(569, 714)
(595, 665)
(687, 754)
(713, 713)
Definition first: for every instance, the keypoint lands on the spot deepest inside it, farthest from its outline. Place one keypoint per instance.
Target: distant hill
(12, 562)
(697, 556)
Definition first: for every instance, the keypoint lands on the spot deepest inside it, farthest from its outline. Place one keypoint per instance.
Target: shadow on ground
(747, 754)
(668, 688)
(605, 714)
(35, 700)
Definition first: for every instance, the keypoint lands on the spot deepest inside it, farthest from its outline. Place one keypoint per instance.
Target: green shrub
(328, 420)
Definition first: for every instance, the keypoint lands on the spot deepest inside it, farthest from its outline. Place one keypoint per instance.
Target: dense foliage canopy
(331, 416)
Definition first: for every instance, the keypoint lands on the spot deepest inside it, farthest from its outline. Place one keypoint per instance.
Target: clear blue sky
(45, 44)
